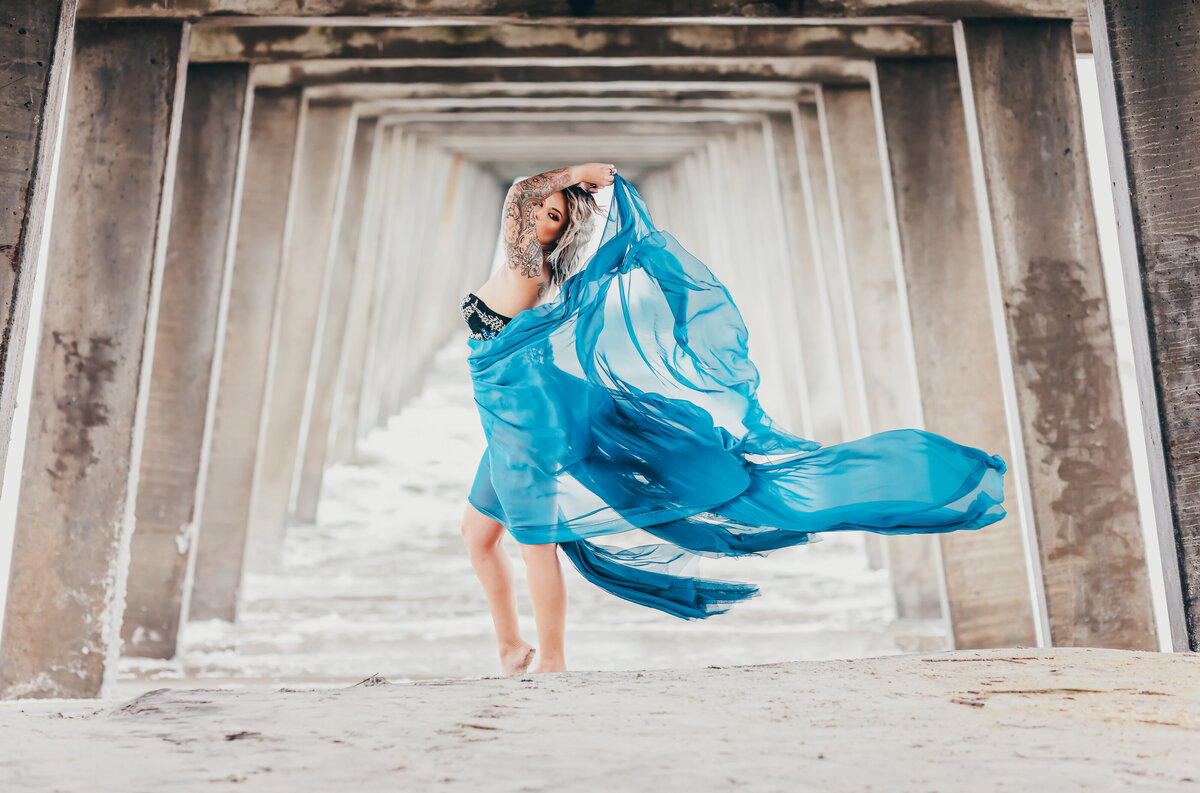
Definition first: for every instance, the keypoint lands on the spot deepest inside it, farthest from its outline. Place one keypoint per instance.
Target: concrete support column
(865, 233)
(35, 37)
(263, 224)
(396, 226)
(1146, 56)
(447, 259)
(815, 179)
(317, 192)
(957, 360)
(855, 423)
(345, 274)
(66, 598)
(187, 356)
(822, 376)
(363, 302)
(780, 287)
(418, 280)
(1025, 129)
(748, 265)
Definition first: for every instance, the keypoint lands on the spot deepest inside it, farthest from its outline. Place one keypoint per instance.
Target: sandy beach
(1061, 719)
(813, 686)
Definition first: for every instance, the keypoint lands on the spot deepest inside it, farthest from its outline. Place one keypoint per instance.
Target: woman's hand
(594, 175)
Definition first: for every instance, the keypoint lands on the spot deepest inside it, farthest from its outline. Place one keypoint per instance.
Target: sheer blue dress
(629, 402)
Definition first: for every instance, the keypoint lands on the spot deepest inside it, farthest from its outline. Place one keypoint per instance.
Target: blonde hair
(581, 206)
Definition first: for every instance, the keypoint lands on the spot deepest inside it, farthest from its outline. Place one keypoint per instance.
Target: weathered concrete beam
(35, 37)
(599, 105)
(1146, 60)
(290, 43)
(874, 290)
(551, 10)
(636, 122)
(62, 628)
(187, 356)
(317, 190)
(551, 89)
(809, 70)
(1025, 130)
(331, 336)
(264, 223)
(987, 588)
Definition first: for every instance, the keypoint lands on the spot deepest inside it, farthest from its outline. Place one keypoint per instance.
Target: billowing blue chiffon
(629, 402)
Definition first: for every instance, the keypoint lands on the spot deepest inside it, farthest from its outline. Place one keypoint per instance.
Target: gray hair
(581, 207)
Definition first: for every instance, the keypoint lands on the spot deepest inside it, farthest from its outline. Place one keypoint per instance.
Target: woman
(629, 402)
(544, 226)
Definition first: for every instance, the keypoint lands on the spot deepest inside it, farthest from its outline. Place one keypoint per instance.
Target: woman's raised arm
(521, 249)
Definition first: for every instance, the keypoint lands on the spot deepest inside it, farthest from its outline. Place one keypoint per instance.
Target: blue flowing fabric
(629, 402)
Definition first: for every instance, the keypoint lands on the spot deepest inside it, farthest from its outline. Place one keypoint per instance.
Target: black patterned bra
(483, 322)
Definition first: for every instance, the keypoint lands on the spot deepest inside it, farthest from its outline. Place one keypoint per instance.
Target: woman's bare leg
(549, 594)
(482, 535)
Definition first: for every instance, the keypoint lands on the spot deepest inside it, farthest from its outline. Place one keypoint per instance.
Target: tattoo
(521, 249)
(542, 287)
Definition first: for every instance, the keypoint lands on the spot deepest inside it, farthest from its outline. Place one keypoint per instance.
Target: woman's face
(551, 219)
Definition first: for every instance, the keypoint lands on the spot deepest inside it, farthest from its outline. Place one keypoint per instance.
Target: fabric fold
(629, 402)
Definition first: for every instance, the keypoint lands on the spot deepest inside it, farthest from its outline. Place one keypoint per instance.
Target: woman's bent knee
(480, 532)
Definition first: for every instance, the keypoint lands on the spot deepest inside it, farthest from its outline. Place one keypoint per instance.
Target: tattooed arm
(522, 251)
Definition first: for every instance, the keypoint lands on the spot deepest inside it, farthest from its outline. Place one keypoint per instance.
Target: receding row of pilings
(245, 277)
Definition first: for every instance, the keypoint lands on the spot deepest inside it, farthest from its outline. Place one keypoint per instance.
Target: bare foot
(515, 660)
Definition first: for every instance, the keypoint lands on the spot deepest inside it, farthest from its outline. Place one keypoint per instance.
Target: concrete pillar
(35, 37)
(187, 356)
(316, 189)
(447, 263)
(411, 215)
(814, 178)
(743, 264)
(345, 274)
(825, 218)
(407, 336)
(368, 280)
(264, 220)
(1039, 236)
(822, 376)
(777, 283)
(91, 383)
(957, 360)
(865, 232)
(1146, 56)
(397, 219)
